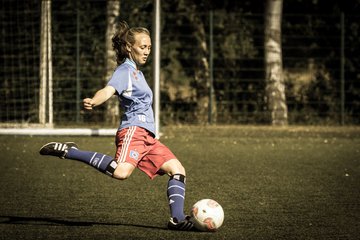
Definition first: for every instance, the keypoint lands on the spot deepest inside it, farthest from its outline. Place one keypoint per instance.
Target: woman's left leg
(160, 160)
(175, 188)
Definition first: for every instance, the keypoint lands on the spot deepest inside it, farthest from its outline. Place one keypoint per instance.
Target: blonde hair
(123, 36)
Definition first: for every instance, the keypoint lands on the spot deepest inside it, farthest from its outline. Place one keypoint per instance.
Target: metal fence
(320, 60)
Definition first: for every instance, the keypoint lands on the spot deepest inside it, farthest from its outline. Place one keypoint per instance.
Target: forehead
(142, 39)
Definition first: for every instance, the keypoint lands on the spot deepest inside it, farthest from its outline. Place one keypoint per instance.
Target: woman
(136, 144)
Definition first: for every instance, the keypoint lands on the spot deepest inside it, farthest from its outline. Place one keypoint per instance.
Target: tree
(275, 86)
(201, 81)
(112, 12)
(201, 72)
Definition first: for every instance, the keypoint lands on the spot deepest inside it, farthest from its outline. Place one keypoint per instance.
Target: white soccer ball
(207, 215)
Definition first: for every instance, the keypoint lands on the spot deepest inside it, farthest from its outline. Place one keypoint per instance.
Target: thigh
(130, 146)
(153, 162)
(123, 170)
(173, 166)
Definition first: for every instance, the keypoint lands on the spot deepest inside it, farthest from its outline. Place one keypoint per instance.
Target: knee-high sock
(176, 196)
(101, 162)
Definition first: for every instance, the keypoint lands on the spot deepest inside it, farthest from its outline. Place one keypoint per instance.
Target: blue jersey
(135, 96)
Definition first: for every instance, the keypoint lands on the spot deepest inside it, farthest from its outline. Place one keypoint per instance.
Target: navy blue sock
(176, 196)
(102, 162)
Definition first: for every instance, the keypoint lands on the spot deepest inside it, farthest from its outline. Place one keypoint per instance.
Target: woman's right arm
(99, 98)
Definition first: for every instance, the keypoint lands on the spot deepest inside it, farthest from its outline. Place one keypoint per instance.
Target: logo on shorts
(134, 154)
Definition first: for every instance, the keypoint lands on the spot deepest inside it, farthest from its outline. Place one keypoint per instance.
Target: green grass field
(273, 183)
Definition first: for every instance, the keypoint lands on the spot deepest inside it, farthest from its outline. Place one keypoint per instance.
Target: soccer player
(135, 139)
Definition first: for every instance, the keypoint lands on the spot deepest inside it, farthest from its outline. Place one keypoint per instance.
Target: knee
(122, 173)
(119, 175)
(179, 170)
(174, 166)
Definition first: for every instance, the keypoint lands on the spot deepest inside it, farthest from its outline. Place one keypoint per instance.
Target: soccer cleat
(184, 225)
(57, 149)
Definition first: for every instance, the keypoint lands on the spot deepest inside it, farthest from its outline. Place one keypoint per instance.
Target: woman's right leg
(123, 171)
(101, 162)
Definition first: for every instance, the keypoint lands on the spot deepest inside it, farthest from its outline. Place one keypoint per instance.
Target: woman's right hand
(88, 103)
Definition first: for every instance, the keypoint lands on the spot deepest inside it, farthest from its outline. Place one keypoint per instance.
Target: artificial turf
(273, 183)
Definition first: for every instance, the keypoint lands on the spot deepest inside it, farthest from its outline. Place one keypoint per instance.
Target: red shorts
(137, 146)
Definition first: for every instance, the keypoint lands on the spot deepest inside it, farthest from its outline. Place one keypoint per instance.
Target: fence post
(77, 62)
(211, 56)
(342, 67)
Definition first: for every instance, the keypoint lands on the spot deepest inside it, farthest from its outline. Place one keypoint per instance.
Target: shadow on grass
(61, 222)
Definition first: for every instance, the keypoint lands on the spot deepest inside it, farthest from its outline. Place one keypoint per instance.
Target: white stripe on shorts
(126, 143)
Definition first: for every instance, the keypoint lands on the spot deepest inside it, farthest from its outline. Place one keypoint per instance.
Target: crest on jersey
(134, 154)
(135, 76)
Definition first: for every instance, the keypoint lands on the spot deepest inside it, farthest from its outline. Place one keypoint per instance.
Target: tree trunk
(112, 106)
(201, 81)
(275, 86)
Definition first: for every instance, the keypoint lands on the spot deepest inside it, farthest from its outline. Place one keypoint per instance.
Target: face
(140, 51)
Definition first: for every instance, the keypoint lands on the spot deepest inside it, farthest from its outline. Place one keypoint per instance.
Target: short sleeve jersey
(135, 96)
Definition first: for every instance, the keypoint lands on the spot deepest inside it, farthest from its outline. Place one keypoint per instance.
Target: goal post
(38, 96)
(46, 78)
(156, 65)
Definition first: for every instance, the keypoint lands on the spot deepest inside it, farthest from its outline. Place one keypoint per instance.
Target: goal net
(52, 56)
(19, 69)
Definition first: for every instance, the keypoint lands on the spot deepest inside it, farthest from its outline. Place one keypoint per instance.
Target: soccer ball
(207, 215)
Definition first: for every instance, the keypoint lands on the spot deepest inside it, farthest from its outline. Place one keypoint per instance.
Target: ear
(128, 47)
